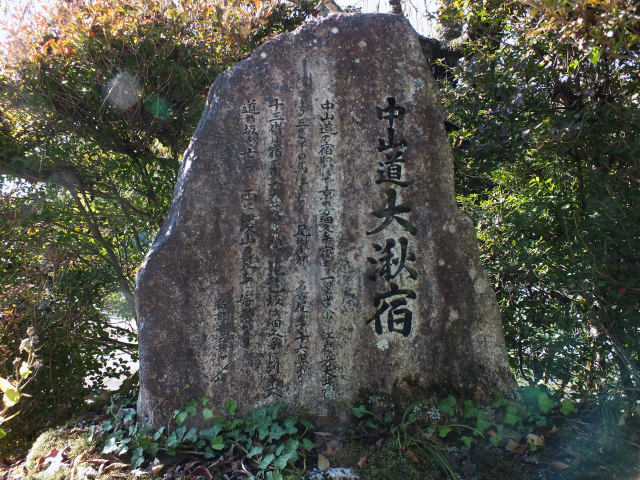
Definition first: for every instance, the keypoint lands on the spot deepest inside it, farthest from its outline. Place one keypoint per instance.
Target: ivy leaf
(307, 444)
(231, 406)
(190, 407)
(483, 422)
(217, 443)
(447, 406)
(466, 440)
(266, 461)
(137, 458)
(255, 450)
(207, 413)
(567, 407)
(110, 445)
(545, 403)
(276, 432)
(274, 475)
(181, 417)
(512, 417)
(360, 411)
(191, 436)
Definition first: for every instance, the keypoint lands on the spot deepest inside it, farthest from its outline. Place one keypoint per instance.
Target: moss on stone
(387, 463)
(58, 438)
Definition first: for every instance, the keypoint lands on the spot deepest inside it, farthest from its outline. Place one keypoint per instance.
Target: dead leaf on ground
(116, 466)
(412, 456)
(323, 462)
(327, 444)
(201, 471)
(78, 430)
(558, 465)
(156, 469)
(362, 462)
(512, 446)
(535, 439)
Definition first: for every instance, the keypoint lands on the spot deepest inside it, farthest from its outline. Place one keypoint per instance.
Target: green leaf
(495, 441)
(2, 433)
(595, 55)
(137, 457)
(448, 405)
(191, 436)
(211, 433)
(110, 445)
(25, 371)
(25, 345)
(483, 422)
(172, 441)
(255, 450)
(290, 425)
(276, 432)
(466, 440)
(470, 410)
(567, 407)
(11, 397)
(191, 407)
(181, 417)
(545, 403)
(307, 444)
(360, 411)
(444, 431)
(231, 406)
(512, 417)
(266, 461)
(207, 413)
(217, 443)
(498, 399)
(274, 475)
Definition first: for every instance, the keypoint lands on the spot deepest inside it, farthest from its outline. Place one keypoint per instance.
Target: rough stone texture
(290, 267)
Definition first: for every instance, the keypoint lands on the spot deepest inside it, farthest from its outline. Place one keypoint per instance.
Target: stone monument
(313, 250)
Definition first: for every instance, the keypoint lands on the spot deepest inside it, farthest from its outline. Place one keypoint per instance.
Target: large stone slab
(314, 250)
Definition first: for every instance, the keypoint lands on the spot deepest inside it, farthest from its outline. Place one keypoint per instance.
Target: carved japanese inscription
(313, 249)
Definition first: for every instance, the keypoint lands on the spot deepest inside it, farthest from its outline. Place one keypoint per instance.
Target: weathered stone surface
(314, 249)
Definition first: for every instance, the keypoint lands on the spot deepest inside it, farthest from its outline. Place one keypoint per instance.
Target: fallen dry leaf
(323, 462)
(511, 445)
(116, 466)
(362, 462)
(412, 456)
(535, 439)
(78, 430)
(156, 469)
(201, 471)
(558, 465)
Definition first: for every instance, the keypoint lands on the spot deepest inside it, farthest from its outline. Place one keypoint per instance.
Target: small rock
(337, 473)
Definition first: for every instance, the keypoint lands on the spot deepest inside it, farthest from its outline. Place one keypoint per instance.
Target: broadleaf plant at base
(268, 442)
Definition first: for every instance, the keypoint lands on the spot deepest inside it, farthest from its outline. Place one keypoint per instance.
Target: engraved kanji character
(326, 106)
(276, 104)
(398, 317)
(390, 264)
(249, 108)
(390, 213)
(391, 170)
(391, 111)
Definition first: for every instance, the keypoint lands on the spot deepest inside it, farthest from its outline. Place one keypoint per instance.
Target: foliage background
(98, 100)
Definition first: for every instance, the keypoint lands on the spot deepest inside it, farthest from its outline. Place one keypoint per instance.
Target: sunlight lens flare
(123, 91)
